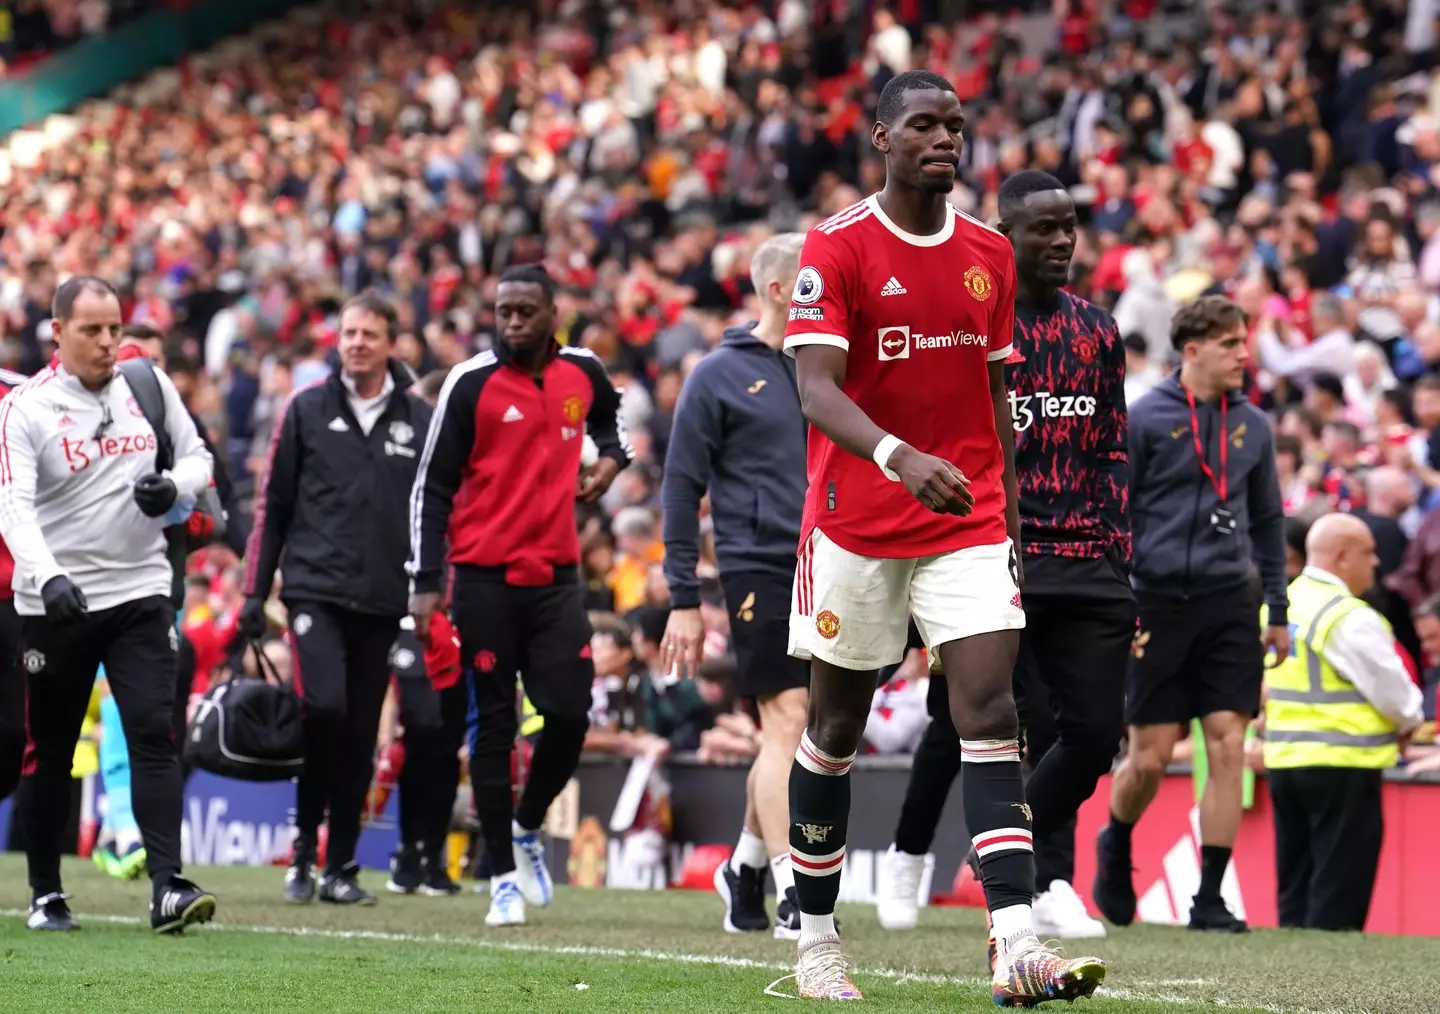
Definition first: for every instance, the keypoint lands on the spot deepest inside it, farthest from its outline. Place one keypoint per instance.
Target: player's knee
(1151, 760)
(993, 718)
(1226, 750)
(151, 730)
(836, 734)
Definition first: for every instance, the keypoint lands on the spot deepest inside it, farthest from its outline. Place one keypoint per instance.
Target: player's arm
(1002, 326)
(275, 503)
(1112, 496)
(819, 339)
(607, 428)
(1267, 538)
(695, 439)
(448, 445)
(18, 522)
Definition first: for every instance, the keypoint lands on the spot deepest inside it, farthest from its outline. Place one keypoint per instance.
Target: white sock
(814, 927)
(519, 832)
(782, 873)
(749, 851)
(1013, 925)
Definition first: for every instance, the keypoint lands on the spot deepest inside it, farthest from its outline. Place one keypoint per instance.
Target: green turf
(635, 951)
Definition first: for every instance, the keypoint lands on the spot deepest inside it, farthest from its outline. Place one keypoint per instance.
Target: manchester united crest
(978, 283)
(1086, 348)
(828, 624)
(573, 408)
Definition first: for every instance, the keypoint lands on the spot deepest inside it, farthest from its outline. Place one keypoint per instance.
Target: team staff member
(12, 683)
(739, 434)
(1336, 711)
(498, 483)
(333, 504)
(81, 509)
(1204, 503)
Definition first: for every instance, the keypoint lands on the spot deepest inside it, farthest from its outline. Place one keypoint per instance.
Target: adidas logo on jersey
(512, 414)
(892, 288)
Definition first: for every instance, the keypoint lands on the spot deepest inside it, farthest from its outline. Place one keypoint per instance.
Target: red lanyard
(1219, 485)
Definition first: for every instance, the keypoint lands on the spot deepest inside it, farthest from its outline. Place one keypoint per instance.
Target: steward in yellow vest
(1336, 710)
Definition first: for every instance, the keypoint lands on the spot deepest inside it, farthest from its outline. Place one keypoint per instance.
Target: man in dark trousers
(82, 510)
(333, 504)
(1205, 504)
(739, 435)
(495, 497)
(1067, 396)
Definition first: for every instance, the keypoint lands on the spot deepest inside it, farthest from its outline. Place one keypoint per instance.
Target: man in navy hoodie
(739, 434)
(1205, 507)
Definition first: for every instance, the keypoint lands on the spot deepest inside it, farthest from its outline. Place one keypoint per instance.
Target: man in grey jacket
(739, 434)
(1205, 508)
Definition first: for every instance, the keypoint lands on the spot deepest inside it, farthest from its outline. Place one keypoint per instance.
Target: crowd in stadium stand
(642, 150)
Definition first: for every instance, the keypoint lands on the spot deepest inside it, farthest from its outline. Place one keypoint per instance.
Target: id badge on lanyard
(1222, 519)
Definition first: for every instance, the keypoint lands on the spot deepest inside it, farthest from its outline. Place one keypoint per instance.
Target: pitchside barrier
(624, 825)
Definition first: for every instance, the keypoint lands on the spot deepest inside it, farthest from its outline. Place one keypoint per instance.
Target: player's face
(90, 336)
(1043, 235)
(365, 342)
(923, 144)
(524, 315)
(1222, 360)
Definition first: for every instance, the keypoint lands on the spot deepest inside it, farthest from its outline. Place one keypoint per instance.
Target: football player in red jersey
(901, 322)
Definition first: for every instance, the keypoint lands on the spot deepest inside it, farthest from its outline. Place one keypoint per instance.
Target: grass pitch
(620, 952)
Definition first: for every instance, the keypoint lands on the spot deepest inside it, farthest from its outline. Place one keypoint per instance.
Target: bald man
(1337, 711)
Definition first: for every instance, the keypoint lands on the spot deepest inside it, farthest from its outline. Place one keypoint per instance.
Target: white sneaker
(1060, 912)
(531, 873)
(897, 890)
(822, 973)
(507, 904)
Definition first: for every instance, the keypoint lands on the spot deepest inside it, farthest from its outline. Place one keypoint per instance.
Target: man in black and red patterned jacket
(12, 683)
(1067, 405)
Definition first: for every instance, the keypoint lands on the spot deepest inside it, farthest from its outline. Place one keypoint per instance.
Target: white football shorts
(852, 611)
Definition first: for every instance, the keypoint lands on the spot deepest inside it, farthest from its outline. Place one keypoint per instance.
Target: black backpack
(248, 728)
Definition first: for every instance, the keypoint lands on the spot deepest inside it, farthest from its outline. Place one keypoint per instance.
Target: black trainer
(51, 914)
(1114, 887)
(300, 879)
(787, 917)
(342, 887)
(436, 882)
(744, 897)
(178, 903)
(405, 871)
(1213, 916)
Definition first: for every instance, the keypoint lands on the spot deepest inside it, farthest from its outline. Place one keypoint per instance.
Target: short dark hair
(64, 302)
(1288, 443)
(1207, 317)
(531, 274)
(1346, 429)
(1296, 531)
(141, 333)
(892, 96)
(371, 301)
(617, 630)
(1307, 418)
(1021, 185)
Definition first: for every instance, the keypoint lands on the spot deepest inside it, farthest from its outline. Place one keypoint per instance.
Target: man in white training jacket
(83, 509)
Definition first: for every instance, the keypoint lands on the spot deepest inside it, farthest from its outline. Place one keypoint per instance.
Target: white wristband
(886, 447)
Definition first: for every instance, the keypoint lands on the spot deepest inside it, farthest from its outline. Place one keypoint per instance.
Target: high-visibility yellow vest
(1314, 717)
(87, 754)
(531, 721)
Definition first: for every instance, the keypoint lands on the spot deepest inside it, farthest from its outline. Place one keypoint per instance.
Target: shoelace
(826, 965)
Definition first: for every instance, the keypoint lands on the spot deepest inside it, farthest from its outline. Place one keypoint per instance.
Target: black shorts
(541, 633)
(1195, 658)
(759, 604)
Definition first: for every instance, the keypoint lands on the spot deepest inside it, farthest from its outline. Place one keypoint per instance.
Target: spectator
(637, 545)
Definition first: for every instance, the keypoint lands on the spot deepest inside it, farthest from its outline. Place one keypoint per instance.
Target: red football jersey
(921, 318)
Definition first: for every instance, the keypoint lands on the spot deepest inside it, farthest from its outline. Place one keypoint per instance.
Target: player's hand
(64, 603)
(154, 495)
(1276, 639)
(937, 484)
(596, 479)
(683, 645)
(252, 622)
(422, 610)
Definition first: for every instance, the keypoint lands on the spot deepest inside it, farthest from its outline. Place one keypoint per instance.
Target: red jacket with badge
(499, 467)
